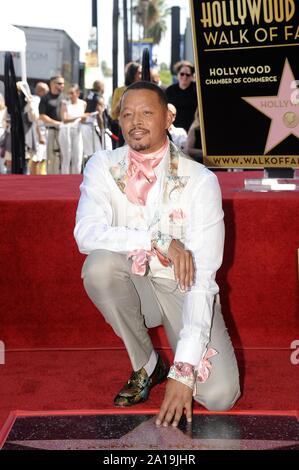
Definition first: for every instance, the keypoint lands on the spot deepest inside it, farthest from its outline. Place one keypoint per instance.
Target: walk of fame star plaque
(247, 73)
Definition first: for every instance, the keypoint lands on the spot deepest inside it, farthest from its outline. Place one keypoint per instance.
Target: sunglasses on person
(184, 74)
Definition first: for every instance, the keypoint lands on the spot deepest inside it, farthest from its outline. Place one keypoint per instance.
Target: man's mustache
(134, 129)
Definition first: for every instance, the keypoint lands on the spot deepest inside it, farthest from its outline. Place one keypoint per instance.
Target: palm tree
(151, 15)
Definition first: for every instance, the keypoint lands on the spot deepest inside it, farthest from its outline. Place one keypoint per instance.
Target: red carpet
(59, 352)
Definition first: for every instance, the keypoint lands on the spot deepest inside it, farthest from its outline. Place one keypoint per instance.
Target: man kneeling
(150, 220)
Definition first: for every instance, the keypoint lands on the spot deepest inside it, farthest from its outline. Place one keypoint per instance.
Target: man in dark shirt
(183, 95)
(49, 110)
(93, 96)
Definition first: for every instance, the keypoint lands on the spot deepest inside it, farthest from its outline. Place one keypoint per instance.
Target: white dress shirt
(107, 220)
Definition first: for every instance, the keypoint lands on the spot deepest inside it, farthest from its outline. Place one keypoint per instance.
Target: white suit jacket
(185, 203)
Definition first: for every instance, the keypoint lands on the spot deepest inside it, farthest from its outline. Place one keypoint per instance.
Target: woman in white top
(70, 137)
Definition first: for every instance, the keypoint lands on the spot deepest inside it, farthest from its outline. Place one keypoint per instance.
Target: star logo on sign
(283, 111)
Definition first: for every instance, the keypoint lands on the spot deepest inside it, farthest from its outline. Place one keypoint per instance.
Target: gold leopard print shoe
(137, 388)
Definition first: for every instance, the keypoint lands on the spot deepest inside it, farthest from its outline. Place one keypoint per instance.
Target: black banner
(247, 64)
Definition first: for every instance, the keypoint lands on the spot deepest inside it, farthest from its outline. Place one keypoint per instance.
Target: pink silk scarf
(141, 178)
(141, 258)
(141, 175)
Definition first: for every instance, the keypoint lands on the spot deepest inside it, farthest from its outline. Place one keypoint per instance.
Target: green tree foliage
(151, 15)
(166, 77)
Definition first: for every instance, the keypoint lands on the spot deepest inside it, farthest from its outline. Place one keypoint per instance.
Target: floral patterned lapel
(169, 217)
(174, 184)
(119, 173)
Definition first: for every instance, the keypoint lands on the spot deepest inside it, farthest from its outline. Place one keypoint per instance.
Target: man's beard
(140, 147)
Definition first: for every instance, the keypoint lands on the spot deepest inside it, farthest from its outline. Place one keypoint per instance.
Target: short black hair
(143, 85)
(131, 69)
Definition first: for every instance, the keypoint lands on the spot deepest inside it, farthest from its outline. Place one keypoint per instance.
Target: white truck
(49, 52)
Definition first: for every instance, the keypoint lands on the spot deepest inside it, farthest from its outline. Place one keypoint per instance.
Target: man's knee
(220, 399)
(100, 268)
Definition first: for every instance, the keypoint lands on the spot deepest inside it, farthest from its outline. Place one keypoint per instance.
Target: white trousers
(71, 147)
(91, 140)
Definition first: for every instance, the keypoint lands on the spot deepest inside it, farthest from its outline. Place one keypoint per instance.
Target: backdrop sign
(247, 62)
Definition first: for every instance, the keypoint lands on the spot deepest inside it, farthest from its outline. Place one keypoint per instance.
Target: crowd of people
(63, 128)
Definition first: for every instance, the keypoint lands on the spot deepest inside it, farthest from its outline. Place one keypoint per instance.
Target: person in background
(38, 161)
(133, 74)
(95, 124)
(6, 143)
(29, 116)
(94, 96)
(178, 134)
(3, 133)
(34, 129)
(102, 122)
(70, 136)
(183, 94)
(50, 114)
(155, 78)
(151, 222)
(193, 146)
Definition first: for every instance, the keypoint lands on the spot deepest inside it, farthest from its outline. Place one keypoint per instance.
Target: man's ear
(168, 119)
